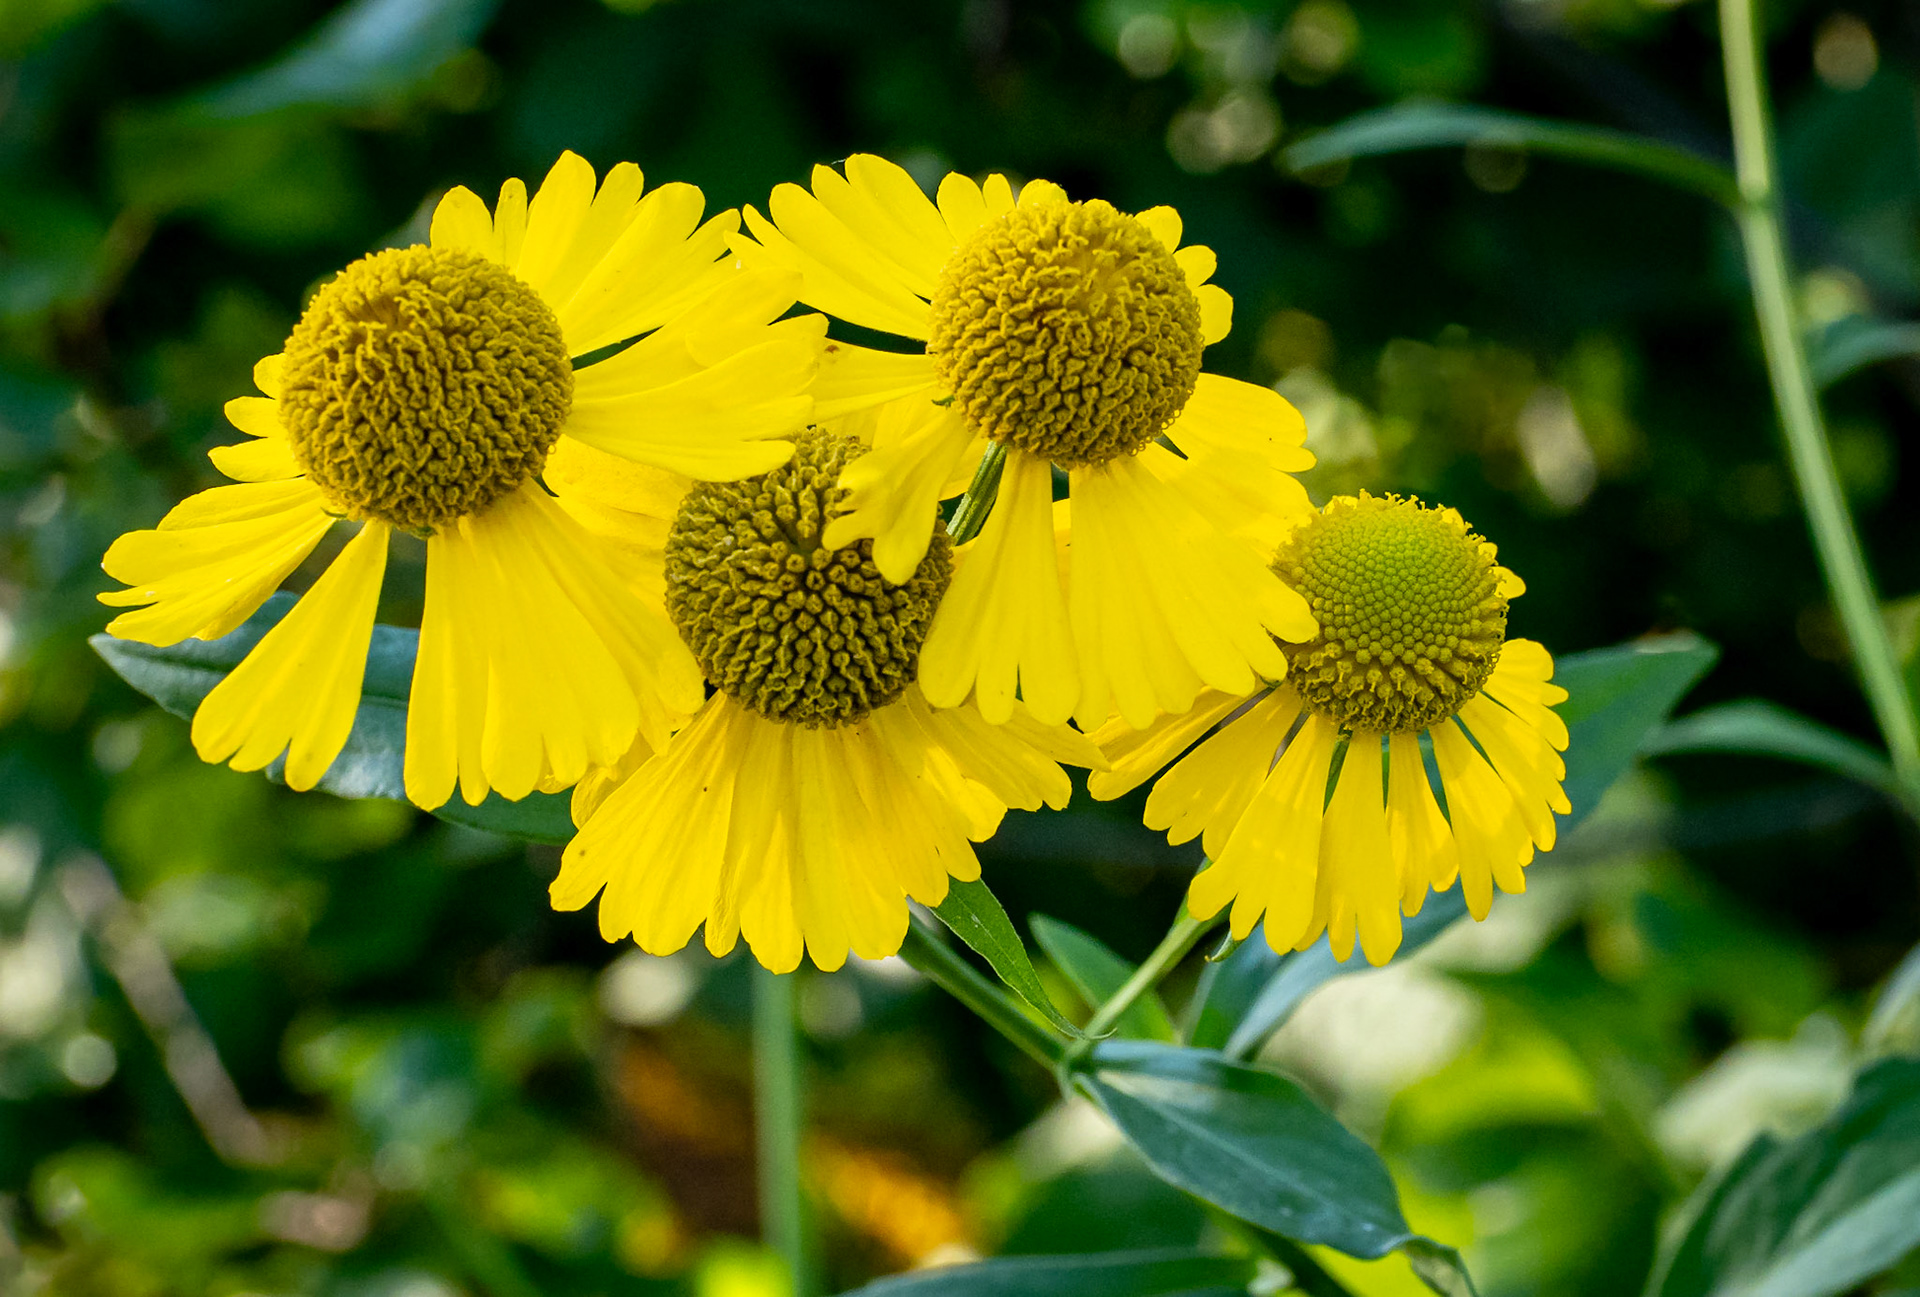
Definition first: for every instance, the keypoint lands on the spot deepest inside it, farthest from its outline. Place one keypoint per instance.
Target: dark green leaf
(1763, 728)
(1853, 344)
(1405, 127)
(1813, 1216)
(1897, 1012)
(1616, 697)
(1096, 972)
(1156, 1273)
(1228, 989)
(372, 762)
(1251, 1143)
(977, 918)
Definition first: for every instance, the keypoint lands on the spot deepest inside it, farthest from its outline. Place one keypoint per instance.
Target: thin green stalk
(971, 513)
(777, 1122)
(1181, 937)
(939, 964)
(1309, 1276)
(1808, 450)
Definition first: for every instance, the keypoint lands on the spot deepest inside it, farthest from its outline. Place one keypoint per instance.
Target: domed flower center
(798, 632)
(1410, 610)
(1066, 330)
(423, 384)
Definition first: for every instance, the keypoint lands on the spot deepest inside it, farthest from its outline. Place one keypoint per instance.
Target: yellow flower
(1313, 799)
(424, 388)
(817, 791)
(1070, 334)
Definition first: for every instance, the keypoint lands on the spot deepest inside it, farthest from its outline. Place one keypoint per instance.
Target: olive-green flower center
(423, 384)
(797, 632)
(1410, 611)
(1067, 330)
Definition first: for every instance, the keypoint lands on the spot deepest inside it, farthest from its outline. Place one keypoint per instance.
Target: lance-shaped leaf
(1159, 1272)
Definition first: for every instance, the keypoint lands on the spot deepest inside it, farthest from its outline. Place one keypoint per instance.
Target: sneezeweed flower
(1071, 334)
(817, 790)
(1341, 833)
(424, 389)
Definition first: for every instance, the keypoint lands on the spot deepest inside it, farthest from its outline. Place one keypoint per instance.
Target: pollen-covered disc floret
(1410, 609)
(423, 384)
(1067, 330)
(794, 630)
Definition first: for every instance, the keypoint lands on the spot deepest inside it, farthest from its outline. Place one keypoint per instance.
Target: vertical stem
(930, 955)
(1808, 451)
(776, 1104)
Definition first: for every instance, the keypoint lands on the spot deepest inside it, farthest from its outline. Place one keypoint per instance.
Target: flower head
(1072, 335)
(817, 790)
(427, 389)
(1313, 798)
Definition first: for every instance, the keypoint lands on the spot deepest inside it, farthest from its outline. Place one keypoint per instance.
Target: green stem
(777, 1121)
(1173, 948)
(971, 513)
(1808, 451)
(939, 964)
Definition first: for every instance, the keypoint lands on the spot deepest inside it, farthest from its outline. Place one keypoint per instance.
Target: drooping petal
(1135, 756)
(1358, 889)
(1000, 757)
(213, 560)
(1493, 839)
(1206, 792)
(1521, 680)
(894, 489)
(1163, 602)
(571, 665)
(1525, 762)
(1271, 863)
(299, 688)
(1425, 854)
(1003, 625)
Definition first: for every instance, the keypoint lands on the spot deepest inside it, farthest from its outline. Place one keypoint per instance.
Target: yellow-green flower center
(423, 384)
(1067, 330)
(1410, 611)
(797, 632)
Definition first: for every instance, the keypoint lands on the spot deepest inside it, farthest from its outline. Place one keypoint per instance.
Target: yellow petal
(662, 261)
(1216, 313)
(1521, 680)
(1198, 263)
(1271, 863)
(1135, 756)
(1494, 843)
(270, 459)
(994, 756)
(1164, 224)
(1358, 887)
(1003, 625)
(718, 424)
(1206, 792)
(461, 221)
(213, 560)
(1037, 193)
(855, 378)
(1424, 852)
(1163, 602)
(510, 221)
(299, 688)
(257, 416)
(267, 372)
(894, 489)
(883, 207)
(962, 207)
(1525, 762)
(1243, 444)
(554, 218)
(842, 276)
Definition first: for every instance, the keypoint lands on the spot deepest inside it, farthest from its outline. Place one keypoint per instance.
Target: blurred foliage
(424, 1082)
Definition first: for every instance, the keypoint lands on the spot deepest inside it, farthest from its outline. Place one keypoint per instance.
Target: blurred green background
(254, 1042)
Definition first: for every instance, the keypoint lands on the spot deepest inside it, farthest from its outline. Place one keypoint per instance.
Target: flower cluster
(692, 557)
